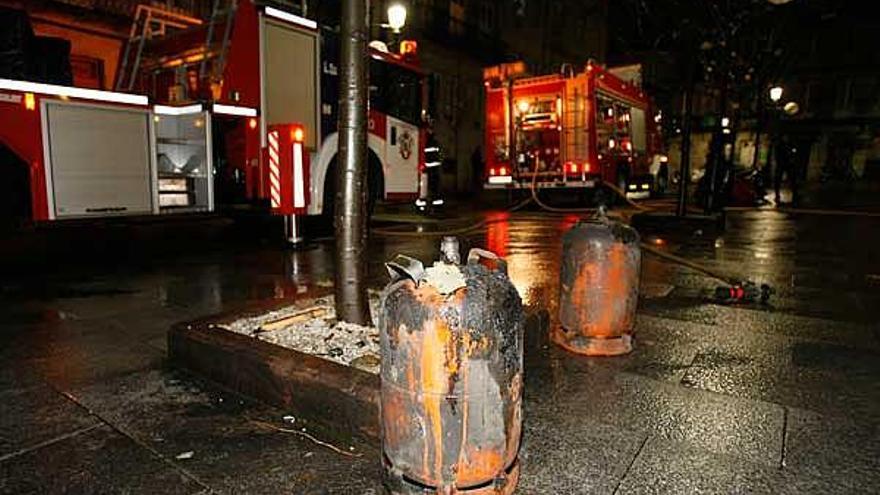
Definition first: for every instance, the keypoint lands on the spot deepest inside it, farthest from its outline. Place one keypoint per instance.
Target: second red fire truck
(577, 129)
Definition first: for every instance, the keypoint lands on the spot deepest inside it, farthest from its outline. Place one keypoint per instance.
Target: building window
(863, 93)
(487, 17)
(88, 72)
(456, 18)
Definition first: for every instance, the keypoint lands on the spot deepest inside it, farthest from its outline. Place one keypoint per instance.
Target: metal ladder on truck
(225, 15)
(151, 22)
(574, 121)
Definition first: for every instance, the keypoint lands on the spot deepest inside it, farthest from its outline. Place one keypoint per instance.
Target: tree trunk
(350, 217)
(685, 161)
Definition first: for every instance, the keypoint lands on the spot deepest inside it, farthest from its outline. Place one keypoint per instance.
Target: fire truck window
(605, 118)
(395, 91)
(613, 127)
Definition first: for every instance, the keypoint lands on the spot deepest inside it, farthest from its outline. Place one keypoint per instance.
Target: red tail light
(572, 168)
(502, 171)
(491, 171)
(586, 168)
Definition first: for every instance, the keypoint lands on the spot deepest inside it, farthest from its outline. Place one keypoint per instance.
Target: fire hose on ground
(736, 289)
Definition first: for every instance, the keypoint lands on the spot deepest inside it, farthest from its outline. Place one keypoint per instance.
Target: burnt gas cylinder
(599, 287)
(451, 338)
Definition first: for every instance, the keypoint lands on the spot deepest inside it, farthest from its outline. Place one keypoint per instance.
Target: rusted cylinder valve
(599, 287)
(451, 338)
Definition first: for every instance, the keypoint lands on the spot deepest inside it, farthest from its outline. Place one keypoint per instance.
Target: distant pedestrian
(785, 165)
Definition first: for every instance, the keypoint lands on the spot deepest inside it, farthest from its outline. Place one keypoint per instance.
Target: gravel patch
(321, 335)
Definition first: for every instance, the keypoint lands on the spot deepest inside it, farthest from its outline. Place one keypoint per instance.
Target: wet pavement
(717, 399)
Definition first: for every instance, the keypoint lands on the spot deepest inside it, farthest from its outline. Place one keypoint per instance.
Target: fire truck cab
(238, 108)
(571, 130)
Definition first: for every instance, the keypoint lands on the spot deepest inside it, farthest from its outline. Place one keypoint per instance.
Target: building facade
(458, 38)
(823, 55)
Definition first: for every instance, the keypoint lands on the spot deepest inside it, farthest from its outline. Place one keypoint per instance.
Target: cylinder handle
(475, 254)
(403, 266)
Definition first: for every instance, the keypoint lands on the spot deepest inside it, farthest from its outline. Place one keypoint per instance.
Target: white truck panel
(639, 132)
(291, 78)
(401, 158)
(100, 160)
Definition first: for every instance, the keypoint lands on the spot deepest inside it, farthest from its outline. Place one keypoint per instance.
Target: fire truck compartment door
(639, 137)
(402, 157)
(290, 73)
(100, 161)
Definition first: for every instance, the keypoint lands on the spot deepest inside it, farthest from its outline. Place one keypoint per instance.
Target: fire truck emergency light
(30, 101)
(68, 91)
(409, 47)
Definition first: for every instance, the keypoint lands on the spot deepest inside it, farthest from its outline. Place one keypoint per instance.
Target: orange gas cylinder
(598, 287)
(451, 338)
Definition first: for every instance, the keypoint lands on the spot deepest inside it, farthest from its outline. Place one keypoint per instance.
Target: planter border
(318, 389)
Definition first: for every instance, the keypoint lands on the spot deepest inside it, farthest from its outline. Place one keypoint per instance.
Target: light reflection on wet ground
(713, 397)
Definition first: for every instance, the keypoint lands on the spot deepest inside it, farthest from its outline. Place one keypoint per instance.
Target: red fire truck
(571, 130)
(238, 107)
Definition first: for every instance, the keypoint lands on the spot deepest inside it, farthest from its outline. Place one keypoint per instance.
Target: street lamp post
(396, 20)
(396, 17)
(775, 94)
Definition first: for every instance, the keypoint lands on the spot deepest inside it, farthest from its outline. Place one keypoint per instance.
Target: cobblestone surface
(714, 399)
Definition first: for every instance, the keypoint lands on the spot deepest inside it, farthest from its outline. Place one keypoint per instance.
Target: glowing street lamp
(776, 94)
(396, 17)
